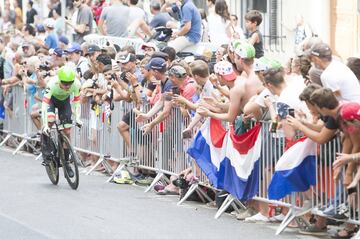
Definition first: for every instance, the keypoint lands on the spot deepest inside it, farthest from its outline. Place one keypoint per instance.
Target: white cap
(49, 22)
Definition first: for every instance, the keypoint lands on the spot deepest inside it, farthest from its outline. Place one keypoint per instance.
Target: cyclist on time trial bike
(57, 95)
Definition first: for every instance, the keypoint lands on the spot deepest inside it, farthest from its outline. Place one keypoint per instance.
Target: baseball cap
(149, 45)
(92, 49)
(320, 50)
(40, 28)
(49, 22)
(245, 50)
(160, 54)
(75, 47)
(57, 52)
(350, 111)
(264, 63)
(64, 40)
(125, 58)
(156, 63)
(178, 71)
(225, 69)
(235, 43)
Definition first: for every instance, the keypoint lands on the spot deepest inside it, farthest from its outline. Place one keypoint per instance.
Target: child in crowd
(252, 20)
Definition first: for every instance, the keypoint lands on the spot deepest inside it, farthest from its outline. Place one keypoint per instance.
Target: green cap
(264, 63)
(234, 44)
(66, 74)
(245, 50)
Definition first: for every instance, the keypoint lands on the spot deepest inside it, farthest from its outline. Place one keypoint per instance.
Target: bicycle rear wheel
(52, 170)
(72, 181)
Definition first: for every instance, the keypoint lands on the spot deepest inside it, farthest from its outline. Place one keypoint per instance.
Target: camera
(123, 77)
(44, 67)
(113, 76)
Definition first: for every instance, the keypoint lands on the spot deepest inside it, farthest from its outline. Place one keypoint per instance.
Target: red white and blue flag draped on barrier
(295, 171)
(231, 162)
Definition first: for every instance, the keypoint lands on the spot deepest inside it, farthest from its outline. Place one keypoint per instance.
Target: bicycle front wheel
(52, 170)
(72, 164)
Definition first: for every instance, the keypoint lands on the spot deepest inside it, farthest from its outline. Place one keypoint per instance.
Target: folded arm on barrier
(156, 108)
(324, 136)
(194, 121)
(161, 116)
(182, 100)
(234, 108)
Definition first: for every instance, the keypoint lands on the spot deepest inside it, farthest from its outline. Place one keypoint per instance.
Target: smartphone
(291, 112)
(176, 90)
(274, 125)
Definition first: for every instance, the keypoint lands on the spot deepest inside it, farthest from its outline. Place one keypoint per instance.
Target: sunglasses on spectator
(23, 63)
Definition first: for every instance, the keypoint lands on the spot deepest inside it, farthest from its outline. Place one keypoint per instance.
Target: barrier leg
(100, 160)
(293, 214)
(201, 192)
(5, 140)
(118, 169)
(22, 143)
(228, 200)
(191, 190)
(79, 161)
(38, 157)
(195, 188)
(158, 177)
(357, 235)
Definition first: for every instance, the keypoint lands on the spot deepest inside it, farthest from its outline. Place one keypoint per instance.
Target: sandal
(349, 233)
(166, 192)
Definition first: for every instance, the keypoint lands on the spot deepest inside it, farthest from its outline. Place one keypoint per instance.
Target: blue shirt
(189, 12)
(31, 90)
(51, 41)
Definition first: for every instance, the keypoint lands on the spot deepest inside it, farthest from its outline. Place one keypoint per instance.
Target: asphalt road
(31, 207)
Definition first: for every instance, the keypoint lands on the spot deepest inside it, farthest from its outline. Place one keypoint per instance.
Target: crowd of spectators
(238, 82)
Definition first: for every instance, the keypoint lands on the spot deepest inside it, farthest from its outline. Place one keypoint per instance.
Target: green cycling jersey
(53, 89)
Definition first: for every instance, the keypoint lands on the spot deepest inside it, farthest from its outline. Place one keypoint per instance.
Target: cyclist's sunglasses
(66, 83)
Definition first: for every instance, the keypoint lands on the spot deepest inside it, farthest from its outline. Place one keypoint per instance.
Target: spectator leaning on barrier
(326, 103)
(158, 68)
(114, 20)
(81, 21)
(190, 26)
(336, 75)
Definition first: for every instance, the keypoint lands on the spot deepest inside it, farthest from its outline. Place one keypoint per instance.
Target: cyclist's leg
(65, 113)
(46, 144)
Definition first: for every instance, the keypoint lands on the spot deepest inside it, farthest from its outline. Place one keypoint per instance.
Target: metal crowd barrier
(164, 151)
(17, 123)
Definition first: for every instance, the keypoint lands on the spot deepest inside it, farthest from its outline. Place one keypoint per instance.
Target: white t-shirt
(136, 13)
(207, 89)
(73, 20)
(338, 77)
(260, 98)
(217, 30)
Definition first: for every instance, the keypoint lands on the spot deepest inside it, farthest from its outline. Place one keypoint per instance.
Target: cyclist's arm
(45, 105)
(76, 102)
